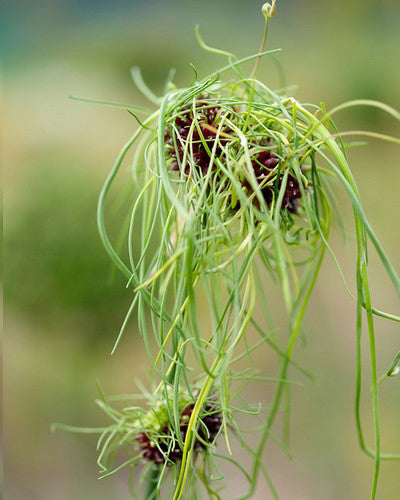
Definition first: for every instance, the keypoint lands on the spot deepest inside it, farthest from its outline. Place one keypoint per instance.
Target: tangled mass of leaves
(236, 187)
(200, 126)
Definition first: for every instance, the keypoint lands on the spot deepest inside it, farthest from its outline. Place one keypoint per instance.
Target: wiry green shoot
(212, 220)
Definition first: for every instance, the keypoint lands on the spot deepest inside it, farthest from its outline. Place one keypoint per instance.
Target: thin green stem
(152, 483)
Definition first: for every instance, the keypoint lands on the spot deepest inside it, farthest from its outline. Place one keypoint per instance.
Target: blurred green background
(64, 304)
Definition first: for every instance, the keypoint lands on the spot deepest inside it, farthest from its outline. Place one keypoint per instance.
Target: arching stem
(268, 11)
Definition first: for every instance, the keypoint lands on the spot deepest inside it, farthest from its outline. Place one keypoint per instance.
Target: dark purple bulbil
(267, 161)
(263, 162)
(201, 158)
(208, 429)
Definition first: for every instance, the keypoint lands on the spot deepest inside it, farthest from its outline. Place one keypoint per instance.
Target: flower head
(164, 446)
(205, 137)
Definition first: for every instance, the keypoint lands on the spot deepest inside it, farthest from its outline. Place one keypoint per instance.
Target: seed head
(196, 142)
(166, 447)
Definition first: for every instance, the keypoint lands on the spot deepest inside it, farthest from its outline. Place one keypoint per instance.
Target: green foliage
(214, 229)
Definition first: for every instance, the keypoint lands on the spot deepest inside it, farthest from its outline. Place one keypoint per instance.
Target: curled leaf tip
(268, 9)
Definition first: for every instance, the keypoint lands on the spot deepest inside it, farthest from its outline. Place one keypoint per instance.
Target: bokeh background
(64, 303)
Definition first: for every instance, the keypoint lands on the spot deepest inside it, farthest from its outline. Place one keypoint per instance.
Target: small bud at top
(268, 9)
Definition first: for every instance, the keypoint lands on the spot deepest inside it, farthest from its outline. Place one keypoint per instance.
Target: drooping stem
(152, 482)
(296, 321)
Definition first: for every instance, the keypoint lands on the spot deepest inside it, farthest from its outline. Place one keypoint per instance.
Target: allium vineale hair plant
(236, 181)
